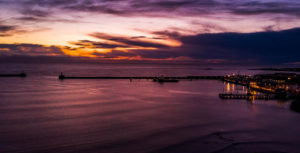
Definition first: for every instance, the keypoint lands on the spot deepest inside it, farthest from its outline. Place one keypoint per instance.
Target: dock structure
(270, 86)
(236, 81)
(62, 77)
(245, 81)
(13, 75)
(246, 96)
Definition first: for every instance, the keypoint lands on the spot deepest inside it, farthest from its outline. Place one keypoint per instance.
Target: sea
(42, 114)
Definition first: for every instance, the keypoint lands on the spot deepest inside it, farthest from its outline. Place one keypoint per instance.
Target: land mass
(279, 69)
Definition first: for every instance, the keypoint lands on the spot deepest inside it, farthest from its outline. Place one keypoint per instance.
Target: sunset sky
(210, 31)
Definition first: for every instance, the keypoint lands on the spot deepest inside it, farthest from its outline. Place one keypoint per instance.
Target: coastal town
(277, 85)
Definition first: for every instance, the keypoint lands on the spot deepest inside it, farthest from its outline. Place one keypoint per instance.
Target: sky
(206, 31)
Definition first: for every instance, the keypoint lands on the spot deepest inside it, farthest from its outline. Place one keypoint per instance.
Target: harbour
(270, 86)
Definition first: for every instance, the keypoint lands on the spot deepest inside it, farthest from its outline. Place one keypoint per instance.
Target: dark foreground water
(41, 114)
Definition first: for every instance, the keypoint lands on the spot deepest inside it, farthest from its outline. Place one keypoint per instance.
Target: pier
(13, 75)
(246, 96)
(62, 77)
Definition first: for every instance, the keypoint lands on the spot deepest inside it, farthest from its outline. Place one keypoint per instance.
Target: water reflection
(233, 88)
(238, 89)
(42, 114)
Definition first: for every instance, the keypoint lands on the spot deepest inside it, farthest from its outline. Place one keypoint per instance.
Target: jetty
(246, 96)
(13, 75)
(62, 77)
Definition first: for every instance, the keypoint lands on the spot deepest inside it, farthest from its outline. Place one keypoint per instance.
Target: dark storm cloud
(269, 47)
(127, 41)
(29, 50)
(264, 47)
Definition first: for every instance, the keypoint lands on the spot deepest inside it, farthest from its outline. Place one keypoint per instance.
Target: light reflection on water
(233, 88)
(42, 114)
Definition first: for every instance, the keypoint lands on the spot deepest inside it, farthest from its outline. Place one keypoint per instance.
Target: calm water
(41, 114)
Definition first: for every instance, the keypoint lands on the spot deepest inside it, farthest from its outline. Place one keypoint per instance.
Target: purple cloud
(127, 41)
(7, 30)
(29, 50)
(163, 7)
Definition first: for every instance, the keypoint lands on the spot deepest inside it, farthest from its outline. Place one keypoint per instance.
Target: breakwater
(13, 75)
(62, 77)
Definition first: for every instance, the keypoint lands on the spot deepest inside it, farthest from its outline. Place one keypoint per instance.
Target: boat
(164, 79)
(167, 80)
